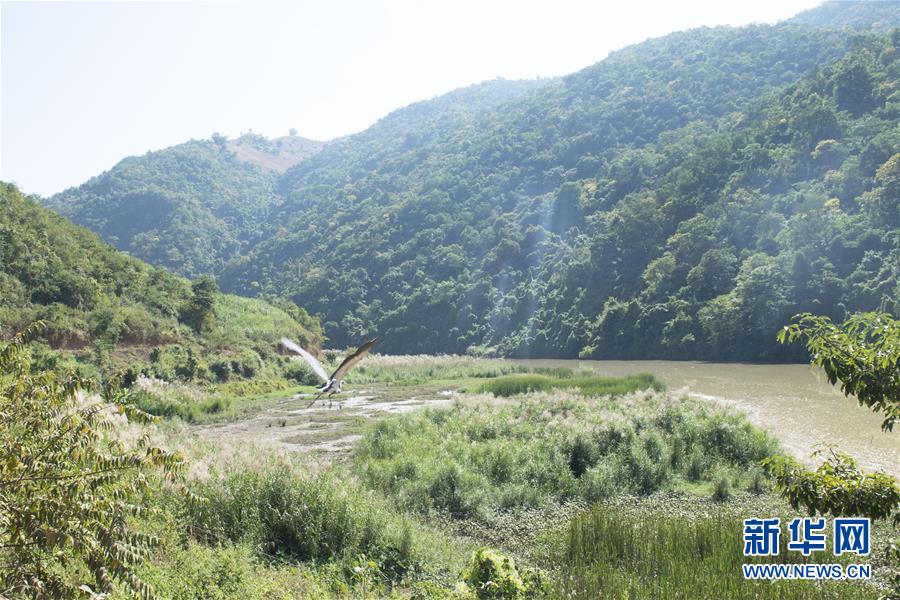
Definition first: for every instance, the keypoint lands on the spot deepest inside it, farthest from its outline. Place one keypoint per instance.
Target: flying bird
(332, 384)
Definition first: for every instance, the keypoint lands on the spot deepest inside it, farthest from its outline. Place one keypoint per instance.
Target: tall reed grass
(613, 554)
(301, 517)
(290, 515)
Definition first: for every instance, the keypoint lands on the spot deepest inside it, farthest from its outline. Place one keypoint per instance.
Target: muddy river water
(794, 402)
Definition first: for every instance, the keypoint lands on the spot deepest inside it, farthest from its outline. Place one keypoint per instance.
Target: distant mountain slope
(101, 305)
(277, 154)
(870, 15)
(442, 229)
(192, 207)
(407, 134)
(188, 208)
(625, 100)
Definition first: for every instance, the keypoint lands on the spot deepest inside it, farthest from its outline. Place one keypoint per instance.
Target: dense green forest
(682, 198)
(104, 311)
(790, 206)
(880, 15)
(188, 208)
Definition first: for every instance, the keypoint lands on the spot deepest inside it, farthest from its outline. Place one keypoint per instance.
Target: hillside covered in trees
(188, 208)
(682, 198)
(104, 311)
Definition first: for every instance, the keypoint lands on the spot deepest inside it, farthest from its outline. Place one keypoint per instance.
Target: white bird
(332, 384)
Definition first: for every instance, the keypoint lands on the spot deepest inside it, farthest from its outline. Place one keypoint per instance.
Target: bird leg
(319, 395)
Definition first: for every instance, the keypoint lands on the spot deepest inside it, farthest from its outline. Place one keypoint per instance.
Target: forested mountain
(568, 221)
(188, 208)
(103, 309)
(872, 15)
(791, 206)
(192, 207)
(681, 198)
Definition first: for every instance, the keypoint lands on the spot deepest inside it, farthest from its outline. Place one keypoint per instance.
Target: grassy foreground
(515, 465)
(559, 493)
(275, 525)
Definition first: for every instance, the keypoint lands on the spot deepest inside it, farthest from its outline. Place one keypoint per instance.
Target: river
(793, 402)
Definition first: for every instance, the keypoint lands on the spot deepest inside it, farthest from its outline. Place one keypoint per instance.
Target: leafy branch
(863, 354)
(68, 486)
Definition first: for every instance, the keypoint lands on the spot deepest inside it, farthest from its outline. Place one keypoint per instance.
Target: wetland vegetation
(437, 502)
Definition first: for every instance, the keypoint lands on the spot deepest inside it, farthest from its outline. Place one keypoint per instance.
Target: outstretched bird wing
(353, 359)
(316, 365)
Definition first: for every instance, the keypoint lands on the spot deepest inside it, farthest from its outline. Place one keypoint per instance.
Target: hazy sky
(86, 84)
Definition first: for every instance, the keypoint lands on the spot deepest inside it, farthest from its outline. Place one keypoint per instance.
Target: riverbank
(793, 402)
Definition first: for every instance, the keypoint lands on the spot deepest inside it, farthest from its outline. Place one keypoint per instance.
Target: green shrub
(604, 480)
(69, 488)
(12, 291)
(456, 491)
(221, 369)
(611, 435)
(722, 488)
(63, 326)
(493, 576)
(246, 364)
(200, 572)
(300, 373)
(139, 326)
(697, 465)
(647, 475)
(581, 456)
(837, 487)
(173, 404)
(759, 483)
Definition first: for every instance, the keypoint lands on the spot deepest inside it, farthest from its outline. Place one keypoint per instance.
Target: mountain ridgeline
(680, 199)
(190, 207)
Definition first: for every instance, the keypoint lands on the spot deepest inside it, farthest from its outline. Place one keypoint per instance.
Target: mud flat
(330, 428)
